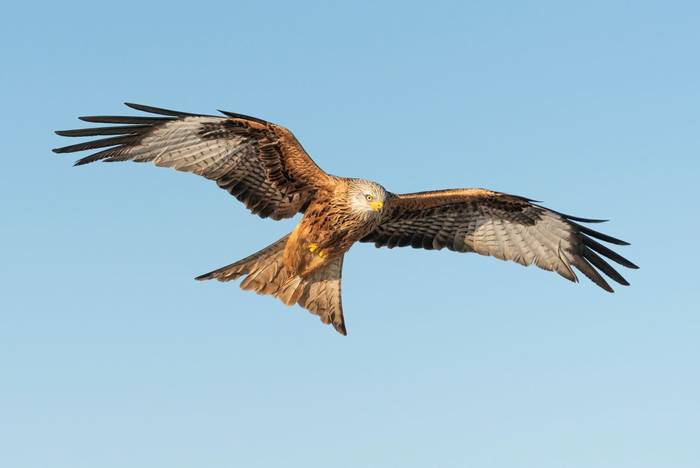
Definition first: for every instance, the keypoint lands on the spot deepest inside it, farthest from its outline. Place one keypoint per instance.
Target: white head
(366, 197)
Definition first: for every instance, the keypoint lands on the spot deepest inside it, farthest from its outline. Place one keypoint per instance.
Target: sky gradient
(112, 356)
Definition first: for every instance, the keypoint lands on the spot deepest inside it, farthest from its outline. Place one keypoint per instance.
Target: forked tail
(264, 272)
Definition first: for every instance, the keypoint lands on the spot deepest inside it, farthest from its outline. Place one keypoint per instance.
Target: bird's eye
(369, 197)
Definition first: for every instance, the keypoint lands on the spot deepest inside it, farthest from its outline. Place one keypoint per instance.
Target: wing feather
(260, 163)
(500, 225)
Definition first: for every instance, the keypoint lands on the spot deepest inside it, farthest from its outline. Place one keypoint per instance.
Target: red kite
(264, 166)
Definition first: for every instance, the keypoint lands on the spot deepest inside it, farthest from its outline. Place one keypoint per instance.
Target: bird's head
(366, 197)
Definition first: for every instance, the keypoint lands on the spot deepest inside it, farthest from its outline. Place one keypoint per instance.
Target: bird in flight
(264, 166)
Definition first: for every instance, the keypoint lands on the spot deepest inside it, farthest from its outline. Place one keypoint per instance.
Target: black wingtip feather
(97, 131)
(599, 235)
(84, 161)
(592, 274)
(243, 116)
(157, 110)
(584, 220)
(99, 156)
(124, 119)
(576, 218)
(604, 266)
(94, 144)
(605, 251)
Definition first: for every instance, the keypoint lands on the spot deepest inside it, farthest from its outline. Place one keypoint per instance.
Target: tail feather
(323, 295)
(319, 293)
(265, 280)
(290, 290)
(247, 265)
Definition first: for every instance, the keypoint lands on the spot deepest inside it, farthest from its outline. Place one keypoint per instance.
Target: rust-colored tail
(264, 269)
(319, 293)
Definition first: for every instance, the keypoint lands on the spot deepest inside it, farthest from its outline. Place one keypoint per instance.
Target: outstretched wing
(260, 163)
(504, 226)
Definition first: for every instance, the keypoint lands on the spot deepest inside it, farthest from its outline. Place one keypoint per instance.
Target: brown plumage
(266, 168)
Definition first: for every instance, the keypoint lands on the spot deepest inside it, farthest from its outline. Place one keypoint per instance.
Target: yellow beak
(376, 205)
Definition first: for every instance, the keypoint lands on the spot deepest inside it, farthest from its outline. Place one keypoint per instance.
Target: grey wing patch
(544, 243)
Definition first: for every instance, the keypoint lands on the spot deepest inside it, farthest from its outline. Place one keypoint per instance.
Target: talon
(313, 247)
(322, 254)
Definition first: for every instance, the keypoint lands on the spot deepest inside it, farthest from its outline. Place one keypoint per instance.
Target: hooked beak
(376, 205)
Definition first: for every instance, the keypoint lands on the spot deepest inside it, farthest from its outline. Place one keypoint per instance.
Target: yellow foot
(313, 248)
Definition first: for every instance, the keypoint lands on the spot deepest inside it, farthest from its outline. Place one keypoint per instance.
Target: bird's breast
(325, 232)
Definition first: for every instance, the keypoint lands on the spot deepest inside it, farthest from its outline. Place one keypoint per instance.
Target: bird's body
(329, 227)
(265, 167)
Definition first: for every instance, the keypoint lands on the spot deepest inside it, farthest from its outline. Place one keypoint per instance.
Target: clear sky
(112, 356)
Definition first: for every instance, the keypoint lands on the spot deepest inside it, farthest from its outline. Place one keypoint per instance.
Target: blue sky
(112, 355)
